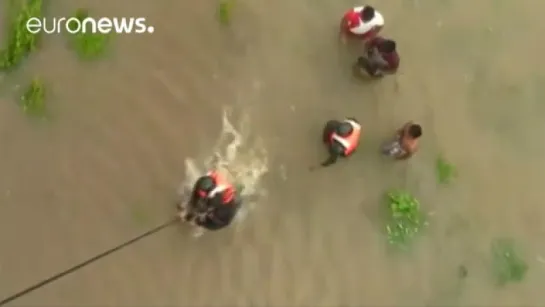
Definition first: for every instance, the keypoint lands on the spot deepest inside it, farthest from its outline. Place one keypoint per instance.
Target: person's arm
(392, 63)
(343, 29)
(401, 131)
(330, 160)
(406, 155)
(335, 150)
(373, 42)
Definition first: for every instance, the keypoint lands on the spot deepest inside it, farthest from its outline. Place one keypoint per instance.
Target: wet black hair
(367, 13)
(387, 46)
(205, 183)
(415, 131)
(344, 129)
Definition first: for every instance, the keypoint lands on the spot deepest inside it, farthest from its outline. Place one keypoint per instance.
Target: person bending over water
(381, 57)
(341, 138)
(213, 204)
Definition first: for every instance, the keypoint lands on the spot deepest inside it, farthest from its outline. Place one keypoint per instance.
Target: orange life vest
(350, 142)
(221, 185)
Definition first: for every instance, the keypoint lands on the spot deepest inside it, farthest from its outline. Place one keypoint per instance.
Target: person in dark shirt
(381, 57)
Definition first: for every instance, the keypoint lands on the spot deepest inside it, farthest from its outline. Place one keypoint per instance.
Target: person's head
(367, 13)
(204, 185)
(387, 46)
(414, 131)
(344, 129)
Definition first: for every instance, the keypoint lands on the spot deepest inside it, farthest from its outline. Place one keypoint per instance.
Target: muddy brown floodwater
(109, 163)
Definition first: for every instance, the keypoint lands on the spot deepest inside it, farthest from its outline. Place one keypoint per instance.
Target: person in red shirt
(381, 58)
(362, 22)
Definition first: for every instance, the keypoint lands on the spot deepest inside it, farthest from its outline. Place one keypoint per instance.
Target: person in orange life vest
(382, 57)
(362, 22)
(213, 204)
(342, 138)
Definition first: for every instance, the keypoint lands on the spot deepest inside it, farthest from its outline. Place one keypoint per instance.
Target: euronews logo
(104, 25)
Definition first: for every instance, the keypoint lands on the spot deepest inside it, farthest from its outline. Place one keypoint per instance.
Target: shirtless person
(405, 142)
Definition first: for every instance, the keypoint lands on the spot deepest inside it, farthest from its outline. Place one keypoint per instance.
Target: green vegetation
(33, 99)
(507, 265)
(405, 217)
(20, 42)
(445, 171)
(88, 45)
(225, 8)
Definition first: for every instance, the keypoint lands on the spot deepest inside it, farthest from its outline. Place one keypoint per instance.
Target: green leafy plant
(33, 99)
(20, 42)
(88, 45)
(225, 8)
(445, 171)
(405, 217)
(507, 264)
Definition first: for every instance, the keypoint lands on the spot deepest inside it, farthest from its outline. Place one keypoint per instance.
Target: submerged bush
(88, 45)
(507, 265)
(33, 99)
(20, 42)
(225, 8)
(406, 219)
(444, 170)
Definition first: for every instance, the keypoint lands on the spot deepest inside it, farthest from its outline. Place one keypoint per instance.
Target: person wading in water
(381, 57)
(362, 22)
(341, 138)
(213, 204)
(405, 142)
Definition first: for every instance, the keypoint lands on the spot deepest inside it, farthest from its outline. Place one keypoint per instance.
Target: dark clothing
(335, 149)
(378, 62)
(219, 215)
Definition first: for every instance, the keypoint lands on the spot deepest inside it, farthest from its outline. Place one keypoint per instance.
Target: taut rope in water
(85, 263)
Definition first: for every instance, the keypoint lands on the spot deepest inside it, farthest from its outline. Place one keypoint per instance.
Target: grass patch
(507, 265)
(444, 170)
(20, 42)
(406, 218)
(33, 99)
(88, 45)
(225, 9)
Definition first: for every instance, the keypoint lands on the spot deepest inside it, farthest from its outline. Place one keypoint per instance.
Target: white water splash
(239, 156)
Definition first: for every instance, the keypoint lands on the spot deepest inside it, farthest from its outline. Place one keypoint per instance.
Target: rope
(85, 263)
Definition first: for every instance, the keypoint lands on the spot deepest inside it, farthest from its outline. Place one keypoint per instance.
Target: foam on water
(238, 155)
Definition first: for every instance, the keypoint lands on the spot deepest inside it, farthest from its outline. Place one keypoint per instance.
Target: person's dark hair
(387, 46)
(367, 13)
(344, 129)
(415, 131)
(205, 183)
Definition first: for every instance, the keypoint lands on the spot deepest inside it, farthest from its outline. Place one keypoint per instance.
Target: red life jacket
(350, 142)
(221, 185)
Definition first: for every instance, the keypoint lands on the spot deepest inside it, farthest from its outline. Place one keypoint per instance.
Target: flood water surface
(128, 132)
